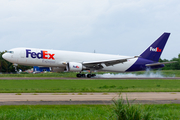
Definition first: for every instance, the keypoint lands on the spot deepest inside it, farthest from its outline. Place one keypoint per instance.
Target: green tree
(8, 67)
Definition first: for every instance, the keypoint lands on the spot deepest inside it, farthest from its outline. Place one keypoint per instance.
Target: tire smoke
(147, 74)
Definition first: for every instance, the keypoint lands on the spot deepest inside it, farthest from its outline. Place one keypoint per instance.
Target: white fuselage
(57, 58)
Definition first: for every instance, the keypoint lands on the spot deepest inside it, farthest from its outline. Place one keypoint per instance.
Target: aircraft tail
(153, 52)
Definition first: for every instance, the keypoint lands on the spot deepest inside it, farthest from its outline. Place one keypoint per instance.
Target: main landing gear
(83, 75)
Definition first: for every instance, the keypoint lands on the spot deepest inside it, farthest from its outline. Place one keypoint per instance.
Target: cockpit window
(10, 52)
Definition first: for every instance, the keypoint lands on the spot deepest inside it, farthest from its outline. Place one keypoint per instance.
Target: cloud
(108, 26)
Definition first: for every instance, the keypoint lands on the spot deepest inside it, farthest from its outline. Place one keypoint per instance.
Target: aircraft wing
(100, 64)
(162, 63)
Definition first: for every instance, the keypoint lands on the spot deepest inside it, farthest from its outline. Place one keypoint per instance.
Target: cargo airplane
(78, 61)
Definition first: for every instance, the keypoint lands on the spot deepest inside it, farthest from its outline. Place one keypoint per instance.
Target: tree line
(7, 67)
(171, 66)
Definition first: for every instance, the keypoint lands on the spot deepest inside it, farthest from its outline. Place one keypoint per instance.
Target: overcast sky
(124, 27)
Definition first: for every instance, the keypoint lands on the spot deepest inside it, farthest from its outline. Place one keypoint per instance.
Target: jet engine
(74, 67)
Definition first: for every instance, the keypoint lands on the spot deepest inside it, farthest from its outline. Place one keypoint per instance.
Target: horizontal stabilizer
(162, 63)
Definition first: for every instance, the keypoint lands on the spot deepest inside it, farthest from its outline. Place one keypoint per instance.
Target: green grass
(165, 73)
(81, 112)
(129, 111)
(55, 86)
(164, 111)
(48, 74)
(168, 73)
(54, 112)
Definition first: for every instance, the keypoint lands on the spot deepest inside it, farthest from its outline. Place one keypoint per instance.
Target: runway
(60, 78)
(87, 98)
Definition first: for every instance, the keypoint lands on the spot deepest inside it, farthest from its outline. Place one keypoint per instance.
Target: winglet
(153, 52)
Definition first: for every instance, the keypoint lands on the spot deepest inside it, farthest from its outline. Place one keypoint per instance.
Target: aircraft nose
(4, 56)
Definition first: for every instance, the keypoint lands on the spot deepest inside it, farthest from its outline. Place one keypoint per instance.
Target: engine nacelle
(74, 67)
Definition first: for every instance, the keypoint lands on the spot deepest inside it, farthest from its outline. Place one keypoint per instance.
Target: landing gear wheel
(89, 75)
(78, 75)
(83, 75)
(93, 75)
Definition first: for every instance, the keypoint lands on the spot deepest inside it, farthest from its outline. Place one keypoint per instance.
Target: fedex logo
(155, 49)
(39, 55)
(75, 66)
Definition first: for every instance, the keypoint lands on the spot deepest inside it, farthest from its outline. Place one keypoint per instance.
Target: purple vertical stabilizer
(153, 52)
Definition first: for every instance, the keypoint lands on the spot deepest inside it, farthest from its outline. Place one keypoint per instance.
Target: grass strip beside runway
(79, 112)
(56, 86)
(48, 74)
(165, 73)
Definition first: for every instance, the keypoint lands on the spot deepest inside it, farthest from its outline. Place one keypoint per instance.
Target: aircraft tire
(83, 75)
(89, 75)
(93, 75)
(78, 75)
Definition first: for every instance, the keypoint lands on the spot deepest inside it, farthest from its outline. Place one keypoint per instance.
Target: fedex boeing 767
(78, 61)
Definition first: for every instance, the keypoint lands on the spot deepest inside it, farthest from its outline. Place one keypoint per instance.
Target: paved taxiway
(87, 98)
